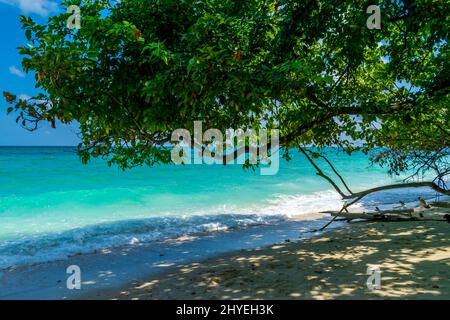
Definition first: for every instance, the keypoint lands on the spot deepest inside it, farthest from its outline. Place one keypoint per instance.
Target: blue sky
(14, 80)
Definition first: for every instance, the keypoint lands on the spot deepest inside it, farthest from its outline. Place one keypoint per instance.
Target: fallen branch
(384, 216)
(441, 204)
(391, 215)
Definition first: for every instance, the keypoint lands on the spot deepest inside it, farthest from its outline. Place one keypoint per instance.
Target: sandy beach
(413, 257)
(225, 150)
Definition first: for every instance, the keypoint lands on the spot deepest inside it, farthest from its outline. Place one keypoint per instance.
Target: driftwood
(385, 216)
(418, 214)
(441, 204)
(376, 217)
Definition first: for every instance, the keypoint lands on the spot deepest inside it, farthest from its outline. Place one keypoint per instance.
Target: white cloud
(15, 71)
(40, 7)
(24, 96)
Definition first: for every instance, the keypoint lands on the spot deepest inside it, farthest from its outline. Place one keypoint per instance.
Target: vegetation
(137, 70)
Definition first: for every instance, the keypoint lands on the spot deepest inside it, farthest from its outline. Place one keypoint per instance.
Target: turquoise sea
(52, 206)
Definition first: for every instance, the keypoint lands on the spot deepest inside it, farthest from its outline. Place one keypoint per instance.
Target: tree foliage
(136, 70)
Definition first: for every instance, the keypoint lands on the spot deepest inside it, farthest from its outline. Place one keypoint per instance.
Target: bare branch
(321, 174)
(335, 171)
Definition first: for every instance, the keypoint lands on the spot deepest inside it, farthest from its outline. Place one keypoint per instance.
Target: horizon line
(37, 146)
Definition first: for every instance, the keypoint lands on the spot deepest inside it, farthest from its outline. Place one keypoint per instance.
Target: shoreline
(56, 246)
(278, 261)
(413, 257)
(118, 267)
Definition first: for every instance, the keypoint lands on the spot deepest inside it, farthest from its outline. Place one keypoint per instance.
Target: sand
(413, 257)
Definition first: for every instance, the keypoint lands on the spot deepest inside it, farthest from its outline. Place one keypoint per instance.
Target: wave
(42, 248)
(47, 247)
(57, 246)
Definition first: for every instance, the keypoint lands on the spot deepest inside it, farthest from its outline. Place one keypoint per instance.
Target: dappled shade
(414, 260)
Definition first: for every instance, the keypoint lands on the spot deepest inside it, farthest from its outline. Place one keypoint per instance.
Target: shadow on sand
(414, 259)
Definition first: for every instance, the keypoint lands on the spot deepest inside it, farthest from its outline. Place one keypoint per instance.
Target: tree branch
(435, 187)
(335, 171)
(321, 174)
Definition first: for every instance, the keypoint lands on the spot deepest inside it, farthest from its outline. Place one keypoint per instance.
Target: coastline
(413, 257)
(118, 267)
(279, 261)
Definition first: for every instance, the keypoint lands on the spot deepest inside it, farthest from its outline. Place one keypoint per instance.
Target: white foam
(60, 245)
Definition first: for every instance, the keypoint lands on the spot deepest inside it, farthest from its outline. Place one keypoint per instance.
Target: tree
(137, 70)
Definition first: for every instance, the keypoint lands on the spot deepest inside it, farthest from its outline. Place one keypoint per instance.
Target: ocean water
(52, 206)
